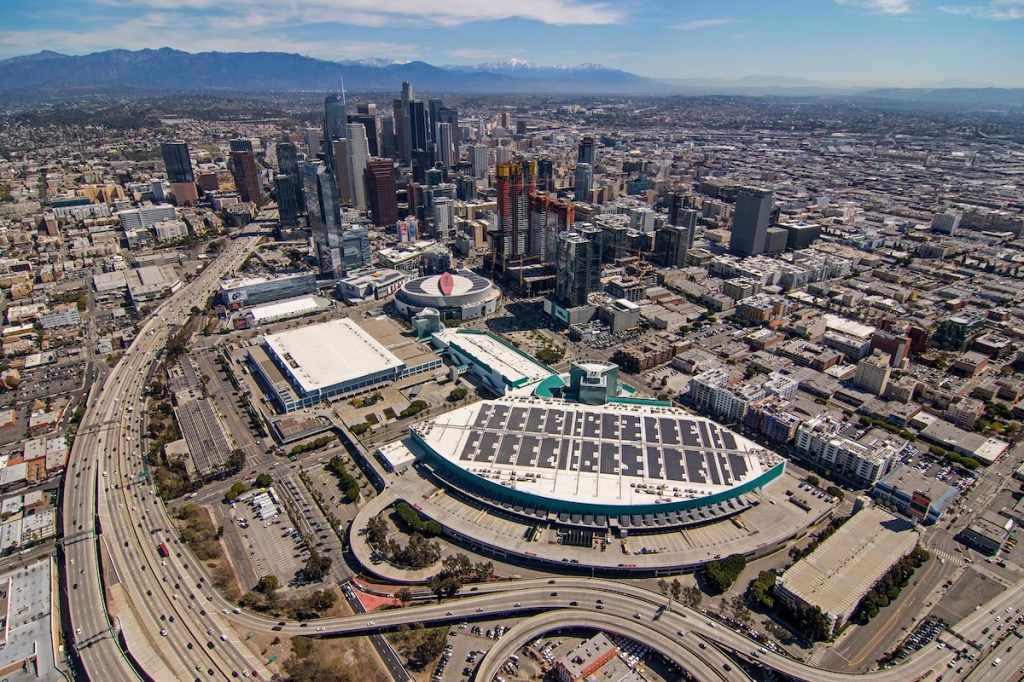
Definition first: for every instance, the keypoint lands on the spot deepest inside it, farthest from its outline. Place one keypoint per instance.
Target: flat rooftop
(330, 353)
(518, 368)
(615, 454)
(838, 574)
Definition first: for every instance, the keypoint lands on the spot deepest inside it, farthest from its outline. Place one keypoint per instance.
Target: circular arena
(462, 295)
(628, 465)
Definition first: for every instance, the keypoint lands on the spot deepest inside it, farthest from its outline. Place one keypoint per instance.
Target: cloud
(881, 6)
(705, 23)
(996, 10)
(401, 12)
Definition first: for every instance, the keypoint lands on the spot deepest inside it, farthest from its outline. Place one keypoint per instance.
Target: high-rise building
(750, 221)
(369, 123)
(434, 107)
(288, 164)
(355, 247)
(358, 153)
(342, 176)
(381, 192)
(546, 175)
(587, 151)
(465, 188)
(584, 181)
(671, 242)
(679, 213)
(419, 126)
(247, 176)
(177, 162)
(444, 218)
(405, 145)
(388, 150)
(514, 183)
(506, 119)
(946, 223)
(178, 165)
(451, 117)
(312, 137)
(873, 373)
(445, 146)
(549, 216)
(478, 159)
(335, 120)
(288, 206)
(242, 144)
(578, 269)
(321, 195)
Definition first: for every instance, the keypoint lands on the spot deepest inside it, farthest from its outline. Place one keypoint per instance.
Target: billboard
(919, 503)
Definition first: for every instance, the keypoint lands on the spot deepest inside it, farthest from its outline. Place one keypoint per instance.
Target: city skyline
(842, 43)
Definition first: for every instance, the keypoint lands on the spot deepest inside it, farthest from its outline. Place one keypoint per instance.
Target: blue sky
(838, 42)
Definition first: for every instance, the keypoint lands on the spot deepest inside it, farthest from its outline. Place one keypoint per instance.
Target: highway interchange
(112, 522)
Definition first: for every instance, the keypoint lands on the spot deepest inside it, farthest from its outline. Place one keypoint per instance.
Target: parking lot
(469, 642)
(310, 521)
(273, 548)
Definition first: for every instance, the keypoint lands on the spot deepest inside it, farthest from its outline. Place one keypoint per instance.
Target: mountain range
(168, 69)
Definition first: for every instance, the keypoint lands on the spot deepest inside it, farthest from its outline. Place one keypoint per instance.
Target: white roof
(502, 358)
(334, 352)
(616, 454)
(293, 307)
(848, 327)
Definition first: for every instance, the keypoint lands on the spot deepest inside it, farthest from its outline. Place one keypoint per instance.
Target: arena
(462, 295)
(624, 465)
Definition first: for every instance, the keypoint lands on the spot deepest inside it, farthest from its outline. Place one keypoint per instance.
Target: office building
(445, 146)
(478, 159)
(444, 219)
(145, 216)
(247, 176)
(288, 207)
(750, 222)
(548, 217)
(342, 175)
(419, 128)
(546, 175)
(358, 153)
(249, 291)
(178, 165)
(801, 235)
(946, 223)
(381, 193)
(370, 124)
(671, 242)
(578, 269)
(587, 151)
(321, 196)
(335, 120)
(388, 150)
(242, 144)
(288, 164)
(873, 373)
(584, 181)
(312, 138)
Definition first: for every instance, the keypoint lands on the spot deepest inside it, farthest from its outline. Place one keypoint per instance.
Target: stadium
(627, 466)
(462, 295)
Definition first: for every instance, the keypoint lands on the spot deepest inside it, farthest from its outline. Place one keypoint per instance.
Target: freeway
(108, 519)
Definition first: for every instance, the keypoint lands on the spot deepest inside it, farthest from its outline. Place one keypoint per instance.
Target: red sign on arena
(446, 284)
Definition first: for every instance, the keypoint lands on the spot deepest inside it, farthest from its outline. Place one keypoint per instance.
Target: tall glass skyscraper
(321, 195)
(177, 162)
(335, 120)
(357, 150)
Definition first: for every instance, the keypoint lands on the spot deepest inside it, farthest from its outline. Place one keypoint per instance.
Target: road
(109, 513)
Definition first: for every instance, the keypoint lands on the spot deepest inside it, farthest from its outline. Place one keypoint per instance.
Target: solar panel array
(673, 448)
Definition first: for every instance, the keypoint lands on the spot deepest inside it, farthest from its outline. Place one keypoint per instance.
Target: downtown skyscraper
(178, 165)
(357, 150)
(750, 222)
(335, 120)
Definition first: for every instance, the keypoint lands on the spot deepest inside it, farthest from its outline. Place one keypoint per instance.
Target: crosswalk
(954, 559)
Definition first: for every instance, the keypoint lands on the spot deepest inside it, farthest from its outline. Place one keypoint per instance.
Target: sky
(909, 43)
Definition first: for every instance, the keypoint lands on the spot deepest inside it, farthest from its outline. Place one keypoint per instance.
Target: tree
(264, 481)
(663, 587)
(721, 574)
(444, 586)
(813, 480)
(676, 589)
(377, 531)
(761, 589)
(321, 600)
(691, 596)
(457, 394)
(235, 461)
(404, 595)
(316, 566)
(267, 583)
(234, 491)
